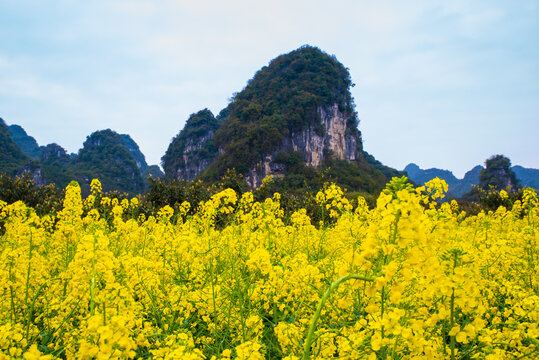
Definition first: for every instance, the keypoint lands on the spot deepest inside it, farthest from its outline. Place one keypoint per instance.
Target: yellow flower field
(409, 279)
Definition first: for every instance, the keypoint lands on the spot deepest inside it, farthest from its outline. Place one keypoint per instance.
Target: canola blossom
(409, 279)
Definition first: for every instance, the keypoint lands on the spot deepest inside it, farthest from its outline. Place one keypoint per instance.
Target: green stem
(312, 328)
(452, 339)
(92, 285)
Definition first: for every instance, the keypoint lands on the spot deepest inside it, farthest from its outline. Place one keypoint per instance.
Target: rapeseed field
(411, 278)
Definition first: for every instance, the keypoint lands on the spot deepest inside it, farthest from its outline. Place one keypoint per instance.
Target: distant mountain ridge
(115, 159)
(459, 187)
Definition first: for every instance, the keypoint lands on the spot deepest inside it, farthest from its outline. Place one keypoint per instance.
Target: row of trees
(488, 196)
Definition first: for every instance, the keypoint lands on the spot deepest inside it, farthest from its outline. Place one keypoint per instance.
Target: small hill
(104, 156)
(57, 165)
(497, 174)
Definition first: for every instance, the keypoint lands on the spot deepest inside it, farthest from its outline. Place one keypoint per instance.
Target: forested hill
(192, 150)
(282, 98)
(105, 156)
(113, 158)
(27, 143)
(294, 120)
(11, 156)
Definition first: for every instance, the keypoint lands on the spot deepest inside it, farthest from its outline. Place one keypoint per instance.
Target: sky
(440, 83)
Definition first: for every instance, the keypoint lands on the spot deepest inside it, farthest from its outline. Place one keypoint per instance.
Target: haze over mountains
(295, 120)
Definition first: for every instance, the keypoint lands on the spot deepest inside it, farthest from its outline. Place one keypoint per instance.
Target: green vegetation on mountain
(133, 148)
(11, 156)
(115, 159)
(105, 157)
(27, 143)
(526, 176)
(153, 171)
(498, 175)
(56, 165)
(195, 142)
(281, 98)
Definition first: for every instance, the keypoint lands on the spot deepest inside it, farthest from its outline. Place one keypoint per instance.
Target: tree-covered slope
(56, 165)
(134, 149)
(498, 174)
(104, 156)
(27, 143)
(281, 98)
(192, 150)
(11, 156)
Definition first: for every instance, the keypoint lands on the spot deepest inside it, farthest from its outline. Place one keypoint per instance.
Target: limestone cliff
(333, 137)
(193, 162)
(192, 150)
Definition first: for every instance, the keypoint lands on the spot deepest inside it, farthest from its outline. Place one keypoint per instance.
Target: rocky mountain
(465, 184)
(497, 174)
(133, 148)
(192, 150)
(105, 156)
(145, 169)
(420, 176)
(56, 165)
(294, 120)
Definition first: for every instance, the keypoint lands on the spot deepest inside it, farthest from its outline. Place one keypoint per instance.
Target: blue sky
(440, 83)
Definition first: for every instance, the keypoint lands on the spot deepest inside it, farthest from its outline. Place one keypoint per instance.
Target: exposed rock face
(193, 164)
(192, 150)
(332, 137)
(54, 153)
(134, 149)
(34, 172)
(497, 174)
